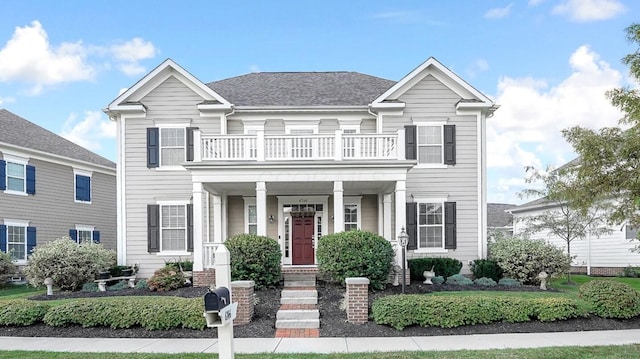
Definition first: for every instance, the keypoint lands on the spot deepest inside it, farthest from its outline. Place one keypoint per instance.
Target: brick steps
(298, 316)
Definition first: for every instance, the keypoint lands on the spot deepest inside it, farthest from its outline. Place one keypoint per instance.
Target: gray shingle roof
(21, 132)
(496, 215)
(301, 89)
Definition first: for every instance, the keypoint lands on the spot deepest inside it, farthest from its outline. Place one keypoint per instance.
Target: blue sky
(547, 63)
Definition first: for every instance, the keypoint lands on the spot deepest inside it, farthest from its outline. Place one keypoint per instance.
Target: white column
(197, 146)
(380, 215)
(260, 147)
(225, 222)
(338, 145)
(338, 207)
(386, 204)
(198, 204)
(261, 207)
(217, 218)
(400, 145)
(401, 215)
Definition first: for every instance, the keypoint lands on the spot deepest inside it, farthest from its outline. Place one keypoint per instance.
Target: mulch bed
(332, 318)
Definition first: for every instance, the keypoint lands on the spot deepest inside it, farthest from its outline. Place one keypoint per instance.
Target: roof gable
(22, 133)
(440, 72)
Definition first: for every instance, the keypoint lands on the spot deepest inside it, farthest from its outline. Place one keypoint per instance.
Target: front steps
(298, 316)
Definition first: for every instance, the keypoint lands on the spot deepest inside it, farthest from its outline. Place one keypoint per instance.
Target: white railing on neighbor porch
(208, 254)
(336, 147)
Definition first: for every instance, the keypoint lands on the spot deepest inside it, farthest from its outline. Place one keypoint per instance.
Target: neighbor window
(173, 224)
(82, 186)
(17, 239)
(16, 175)
(430, 225)
(172, 146)
(631, 232)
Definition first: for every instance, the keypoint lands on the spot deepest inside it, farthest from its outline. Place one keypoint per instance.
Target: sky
(547, 63)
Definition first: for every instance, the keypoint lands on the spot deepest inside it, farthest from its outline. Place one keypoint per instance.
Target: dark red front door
(303, 252)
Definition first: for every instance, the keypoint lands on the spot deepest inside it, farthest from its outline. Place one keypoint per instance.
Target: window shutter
(153, 147)
(449, 144)
(411, 144)
(31, 179)
(190, 143)
(73, 234)
(3, 175)
(153, 228)
(189, 228)
(450, 230)
(3, 238)
(96, 236)
(31, 239)
(412, 225)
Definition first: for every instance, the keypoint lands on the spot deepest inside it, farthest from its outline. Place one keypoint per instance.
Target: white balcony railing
(337, 147)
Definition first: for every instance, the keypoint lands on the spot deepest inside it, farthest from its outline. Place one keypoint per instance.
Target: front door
(303, 247)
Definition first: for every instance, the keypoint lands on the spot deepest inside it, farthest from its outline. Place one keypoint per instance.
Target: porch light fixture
(271, 218)
(403, 238)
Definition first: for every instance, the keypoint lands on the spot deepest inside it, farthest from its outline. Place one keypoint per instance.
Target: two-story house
(295, 156)
(51, 188)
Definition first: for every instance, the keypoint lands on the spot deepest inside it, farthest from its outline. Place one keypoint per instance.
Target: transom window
(173, 226)
(430, 225)
(430, 144)
(172, 146)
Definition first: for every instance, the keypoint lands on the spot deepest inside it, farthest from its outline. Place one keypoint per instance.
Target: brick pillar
(242, 293)
(205, 278)
(357, 298)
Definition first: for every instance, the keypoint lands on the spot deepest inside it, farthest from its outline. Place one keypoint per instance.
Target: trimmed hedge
(611, 299)
(22, 312)
(400, 311)
(445, 267)
(126, 312)
(255, 258)
(486, 268)
(459, 279)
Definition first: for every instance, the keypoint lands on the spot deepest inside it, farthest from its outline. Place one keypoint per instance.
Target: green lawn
(578, 280)
(622, 351)
(14, 291)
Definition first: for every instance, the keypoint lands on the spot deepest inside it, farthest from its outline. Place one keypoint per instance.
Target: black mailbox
(216, 299)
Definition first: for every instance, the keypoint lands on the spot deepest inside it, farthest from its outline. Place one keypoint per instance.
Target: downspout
(588, 253)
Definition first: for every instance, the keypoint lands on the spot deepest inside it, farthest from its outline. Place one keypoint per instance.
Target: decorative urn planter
(428, 274)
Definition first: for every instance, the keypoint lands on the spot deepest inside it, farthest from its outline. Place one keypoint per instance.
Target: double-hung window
(170, 228)
(432, 144)
(16, 176)
(17, 239)
(430, 225)
(172, 146)
(82, 186)
(250, 215)
(352, 213)
(82, 233)
(169, 145)
(430, 148)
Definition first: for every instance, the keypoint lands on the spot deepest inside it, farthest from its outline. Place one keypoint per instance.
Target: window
(82, 233)
(17, 239)
(250, 215)
(82, 186)
(173, 226)
(430, 225)
(350, 217)
(631, 232)
(431, 144)
(16, 176)
(172, 146)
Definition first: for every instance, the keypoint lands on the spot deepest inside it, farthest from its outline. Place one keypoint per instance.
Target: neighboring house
(605, 255)
(50, 188)
(298, 155)
(499, 219)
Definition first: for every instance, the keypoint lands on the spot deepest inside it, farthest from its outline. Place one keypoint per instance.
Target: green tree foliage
(610, 158)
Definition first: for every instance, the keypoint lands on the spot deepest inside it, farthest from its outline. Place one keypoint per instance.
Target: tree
(609, 159)
(560, 218)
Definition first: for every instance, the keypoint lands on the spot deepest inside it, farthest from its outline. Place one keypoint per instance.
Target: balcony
(328, 147)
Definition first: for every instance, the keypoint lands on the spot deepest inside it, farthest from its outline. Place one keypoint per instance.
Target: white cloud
(535, 2)
(90, 131)
(479, 65)
(7, 100)
(29, 57)
(499, 12)
(526, 130)
(130, 53)
(589, 10)
(254, 68)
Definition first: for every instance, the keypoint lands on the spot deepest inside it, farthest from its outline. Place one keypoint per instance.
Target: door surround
(285, 219)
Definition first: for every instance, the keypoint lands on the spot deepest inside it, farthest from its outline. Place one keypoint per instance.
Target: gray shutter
(190, 143)
(412, 225)
(189, 228)
(153, 228)
(153, 147)
(450, 224)
(411, 144)
(449, 144)
(31, 239)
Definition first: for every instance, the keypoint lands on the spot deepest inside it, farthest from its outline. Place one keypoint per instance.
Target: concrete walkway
(326, 345)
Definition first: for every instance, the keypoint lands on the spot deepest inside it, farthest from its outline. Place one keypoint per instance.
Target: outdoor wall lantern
(403, 238)
(271, 218)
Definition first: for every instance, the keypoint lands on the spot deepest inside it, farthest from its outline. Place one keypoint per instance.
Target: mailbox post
(223, 280)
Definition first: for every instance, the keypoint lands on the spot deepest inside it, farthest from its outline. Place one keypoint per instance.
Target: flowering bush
(69, 264)
(166, 278)
(7, 267)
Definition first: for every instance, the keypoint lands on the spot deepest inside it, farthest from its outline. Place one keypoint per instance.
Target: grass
(15, 291)
(596, 352)
(580, 279)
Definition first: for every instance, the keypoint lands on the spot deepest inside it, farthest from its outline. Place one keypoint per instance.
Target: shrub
(90, 287)
(166, 278)
(255, 258)
(142, 284)
(69, 264)
(611, 299)
(485, 282)
(437, 279)
(400, 311)
(445, 267)
(7, 268)
(355, 254)
(459, 279)
(509, 282)
(486, 268)
(22, 312)
(181, 264)
(123, 284)
(631, 272)
(524, 259)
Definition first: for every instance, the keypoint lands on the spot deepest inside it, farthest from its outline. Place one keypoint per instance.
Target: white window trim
(357, 201)
(84, 228)
(248, 201)
(440, 123)
(419, 200)
(86, 174)
(173, 124)
(17, 223)
(253, 126)
(165, 253)
(301, 125)
(24, 161)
